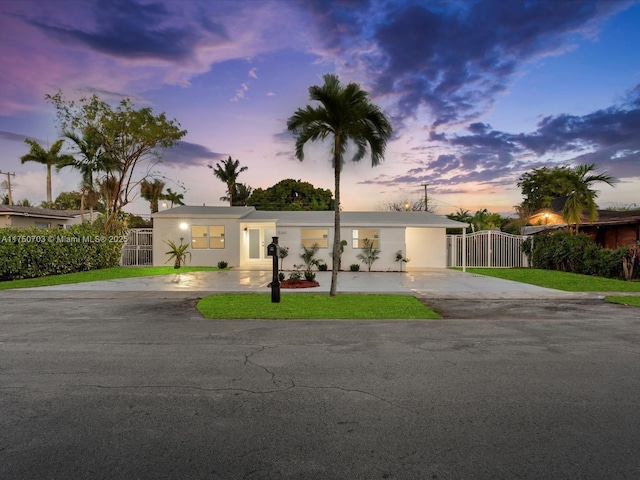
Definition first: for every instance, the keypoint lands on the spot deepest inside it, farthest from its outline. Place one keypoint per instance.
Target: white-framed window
(319, 236)
(211, 236)
(42, 225)
(358, 237)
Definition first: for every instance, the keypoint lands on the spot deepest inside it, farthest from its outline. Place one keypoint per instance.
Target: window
(317, 236)
(207, 237)
(359, 237)
(42, 225)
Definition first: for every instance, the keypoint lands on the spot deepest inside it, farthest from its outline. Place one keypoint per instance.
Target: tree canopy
(290, 194)
(127, 135)
(51, 157)
(543, 185)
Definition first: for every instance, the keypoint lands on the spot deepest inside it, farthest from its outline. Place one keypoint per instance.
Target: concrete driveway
(134, 383)
(436, 283)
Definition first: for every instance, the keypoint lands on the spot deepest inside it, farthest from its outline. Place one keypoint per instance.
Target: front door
(259, 238)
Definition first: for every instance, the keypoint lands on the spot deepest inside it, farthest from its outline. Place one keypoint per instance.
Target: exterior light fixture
(184, 226)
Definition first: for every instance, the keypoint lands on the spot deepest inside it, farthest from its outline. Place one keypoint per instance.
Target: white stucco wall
(165, 229)
(426, 248)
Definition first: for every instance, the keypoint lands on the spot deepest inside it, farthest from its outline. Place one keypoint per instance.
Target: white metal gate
(138, 250)
(487, 249)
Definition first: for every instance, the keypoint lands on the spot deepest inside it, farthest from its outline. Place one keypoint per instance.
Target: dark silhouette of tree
(227, 171)
(50, 158)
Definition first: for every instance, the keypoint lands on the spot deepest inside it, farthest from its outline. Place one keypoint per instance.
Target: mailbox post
(272, 249)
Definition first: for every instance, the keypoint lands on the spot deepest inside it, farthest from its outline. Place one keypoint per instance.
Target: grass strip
(569, 282)
(630, 301)
(98, 275)
(315, 306)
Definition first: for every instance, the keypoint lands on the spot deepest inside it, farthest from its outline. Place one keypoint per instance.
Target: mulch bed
(297, 284)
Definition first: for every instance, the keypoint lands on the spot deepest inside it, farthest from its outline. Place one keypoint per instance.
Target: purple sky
(478, 91)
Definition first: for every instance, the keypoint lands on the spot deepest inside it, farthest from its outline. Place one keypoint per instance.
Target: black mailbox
(272, 251)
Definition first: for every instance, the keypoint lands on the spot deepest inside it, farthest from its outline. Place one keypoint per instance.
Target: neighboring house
(613, 229)
(25, 217)
(240, 235)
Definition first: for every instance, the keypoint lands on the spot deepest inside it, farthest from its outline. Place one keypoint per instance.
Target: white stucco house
(240, 235)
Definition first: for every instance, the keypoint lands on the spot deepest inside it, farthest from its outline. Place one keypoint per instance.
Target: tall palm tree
(50, 158)
(346, 115)
(152, 192)
(228, 172)
(582, 198)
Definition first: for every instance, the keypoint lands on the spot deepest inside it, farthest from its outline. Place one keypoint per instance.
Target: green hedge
(574, 253)
(36, 252)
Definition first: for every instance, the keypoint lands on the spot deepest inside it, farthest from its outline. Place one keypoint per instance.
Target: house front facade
(240, 235)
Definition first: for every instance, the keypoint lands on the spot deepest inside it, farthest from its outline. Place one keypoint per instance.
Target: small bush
(222, 264)
(323, 267)
(309, 276)
(354, 267)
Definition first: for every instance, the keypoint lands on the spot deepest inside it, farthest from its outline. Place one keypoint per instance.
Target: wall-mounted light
(184, 226)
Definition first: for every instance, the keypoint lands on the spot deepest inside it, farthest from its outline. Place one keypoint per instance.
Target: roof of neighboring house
(317, 218)
(19, 211)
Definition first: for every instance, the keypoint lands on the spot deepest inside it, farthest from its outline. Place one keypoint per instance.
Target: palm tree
(93, 158)
(174, 197)
(582, 198)
(49, 158)
(152, 192)
(346, 115)
(228, 172)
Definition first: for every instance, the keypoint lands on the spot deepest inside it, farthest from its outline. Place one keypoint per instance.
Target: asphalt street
(137, 385)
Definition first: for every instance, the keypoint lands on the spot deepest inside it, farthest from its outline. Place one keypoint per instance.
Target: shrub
(222, 264)
(322, 266)
(35, 252)
(354, 267)
(369, 254)
(309, 276)
(574, 253)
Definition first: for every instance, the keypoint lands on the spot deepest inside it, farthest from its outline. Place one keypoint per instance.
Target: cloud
(240, 93)
(130, 29)
(453, 59)
(252, 73)
(12, 136)
(189, 154)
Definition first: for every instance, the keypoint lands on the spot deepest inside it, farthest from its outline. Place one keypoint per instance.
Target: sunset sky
(478, 92)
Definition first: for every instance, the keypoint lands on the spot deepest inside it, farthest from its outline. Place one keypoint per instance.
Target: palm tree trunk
(337, 164)
(49, 186)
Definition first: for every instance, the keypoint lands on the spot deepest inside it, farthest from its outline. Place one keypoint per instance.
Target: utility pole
(9, 175)
(426, 205)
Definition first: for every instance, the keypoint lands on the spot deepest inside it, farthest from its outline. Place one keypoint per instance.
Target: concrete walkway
(436, 283)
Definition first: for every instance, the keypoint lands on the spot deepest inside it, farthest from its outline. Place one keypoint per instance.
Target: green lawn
(631, 301)
(96, 275)
(569, 282)
(315, 306)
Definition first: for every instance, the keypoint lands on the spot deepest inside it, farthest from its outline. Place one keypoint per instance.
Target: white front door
(259, 238)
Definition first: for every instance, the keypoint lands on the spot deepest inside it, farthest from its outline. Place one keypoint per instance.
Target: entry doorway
(257, 238)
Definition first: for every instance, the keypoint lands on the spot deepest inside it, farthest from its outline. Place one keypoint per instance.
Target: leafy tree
(68, 201)
(543, 185)
(582, 198)
(50, 158)
(128, 136)
(227, 171)
(174, 197)
(346, 115)
(21, 203)
(291, 194)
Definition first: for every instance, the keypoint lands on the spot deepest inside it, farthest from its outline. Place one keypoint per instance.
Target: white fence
(138, 250)
(487, 249)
